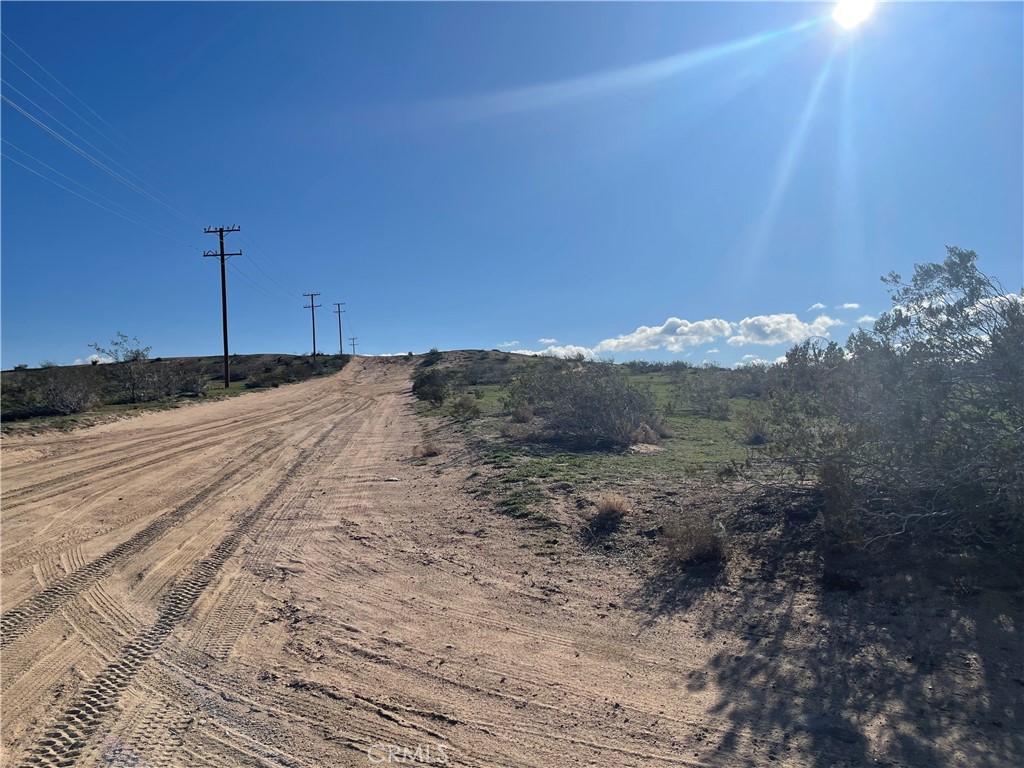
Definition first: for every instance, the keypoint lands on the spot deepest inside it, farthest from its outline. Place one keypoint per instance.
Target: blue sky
(662, 181)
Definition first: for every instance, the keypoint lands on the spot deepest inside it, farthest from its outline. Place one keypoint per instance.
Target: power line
(93, 202)
(312, 307)
(127, 210)
(223, 287)
(58, 82)
(74, 147)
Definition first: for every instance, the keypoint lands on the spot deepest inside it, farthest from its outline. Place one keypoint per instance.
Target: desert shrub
(914, 427)
(707, 394)
(465, 407)
(433, 386)
(690, 538)
(522, 414)
(516, 431)
(644, 434)
(661, 427)
(65, 393)
(612, 509)
(754, 426)
(586, 404)
(128, 368)
(431, 358)
(21, 367)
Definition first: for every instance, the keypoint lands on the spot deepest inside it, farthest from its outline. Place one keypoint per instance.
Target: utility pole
(312, 313)
(223, 286)
(353, 340)
(341, 339)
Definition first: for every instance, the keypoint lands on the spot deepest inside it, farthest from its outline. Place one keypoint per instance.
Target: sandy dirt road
(273, 580)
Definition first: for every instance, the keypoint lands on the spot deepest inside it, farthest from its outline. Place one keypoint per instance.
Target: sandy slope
(272, 580)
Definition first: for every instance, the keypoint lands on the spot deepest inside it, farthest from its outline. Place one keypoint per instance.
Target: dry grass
(612, 509)
(516, 431)
(426, 450)
(691, 538)
(647, 436)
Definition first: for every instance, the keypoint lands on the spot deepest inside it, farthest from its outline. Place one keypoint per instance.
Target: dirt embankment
(275, 580)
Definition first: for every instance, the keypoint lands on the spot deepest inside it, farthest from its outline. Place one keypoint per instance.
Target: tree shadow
(849, 659)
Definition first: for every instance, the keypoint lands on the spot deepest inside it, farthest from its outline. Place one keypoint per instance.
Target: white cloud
(509, 344)
(94, 359)
(547, 341)
(782, 328)
(815, 306)
(750, 357)
(674, 335)
(566, 350)
(866, 319)
(850, 305)
(711, 352)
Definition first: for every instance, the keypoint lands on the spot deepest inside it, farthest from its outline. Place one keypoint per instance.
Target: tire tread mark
(64, 743)
(17, 621)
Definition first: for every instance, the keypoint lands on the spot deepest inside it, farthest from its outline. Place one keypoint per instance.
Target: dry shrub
(691, 538)
(644, 434)
(426, 450)
(661, 427)
(612, 509)
(516, 431)
(522, 414)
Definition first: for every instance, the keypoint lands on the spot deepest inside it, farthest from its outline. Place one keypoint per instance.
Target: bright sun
(850, 13)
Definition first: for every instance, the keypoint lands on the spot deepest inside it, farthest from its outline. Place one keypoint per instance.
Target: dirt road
(274, 580)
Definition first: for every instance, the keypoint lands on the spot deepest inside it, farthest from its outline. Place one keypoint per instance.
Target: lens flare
(851, 13)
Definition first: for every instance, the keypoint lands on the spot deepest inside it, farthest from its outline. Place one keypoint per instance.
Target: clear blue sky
(665, 181)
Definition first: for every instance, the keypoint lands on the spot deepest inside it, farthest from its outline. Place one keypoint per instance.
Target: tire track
(29, 614)
(63, 744)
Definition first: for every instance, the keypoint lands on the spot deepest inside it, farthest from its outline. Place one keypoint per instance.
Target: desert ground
(277, 580)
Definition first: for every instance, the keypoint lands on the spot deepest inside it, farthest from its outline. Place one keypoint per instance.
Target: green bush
(433, 386)
(591, 405)
(916, 426)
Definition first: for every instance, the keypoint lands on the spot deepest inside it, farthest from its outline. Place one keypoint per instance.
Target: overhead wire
(274, 288)
(149, 222)
(93, 202)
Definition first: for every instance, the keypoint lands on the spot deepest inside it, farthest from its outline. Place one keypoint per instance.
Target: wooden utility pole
(223, 286)
(353, 340)
(341, 339)
(312, 307)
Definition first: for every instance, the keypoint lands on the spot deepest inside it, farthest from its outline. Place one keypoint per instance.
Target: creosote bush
(916, 427)
(465, 407)
(590, 405)
(432, 385)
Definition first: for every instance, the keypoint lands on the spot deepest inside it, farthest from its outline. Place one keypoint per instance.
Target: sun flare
(851, 13)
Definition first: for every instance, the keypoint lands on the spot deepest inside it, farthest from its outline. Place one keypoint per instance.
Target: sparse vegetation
(591, 405)
(612, 509)
(690, 538)
(42, 397)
